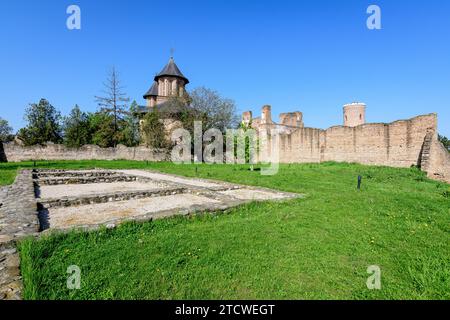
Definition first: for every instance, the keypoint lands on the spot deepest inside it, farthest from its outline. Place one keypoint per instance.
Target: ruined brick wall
(15, 153)
(435, 158)
(398, 144)
(302, 145)
(292, 119)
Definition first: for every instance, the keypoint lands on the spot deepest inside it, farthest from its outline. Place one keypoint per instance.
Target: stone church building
(170, 82)
(167, 84)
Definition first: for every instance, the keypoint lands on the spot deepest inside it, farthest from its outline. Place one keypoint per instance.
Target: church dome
(171, 70)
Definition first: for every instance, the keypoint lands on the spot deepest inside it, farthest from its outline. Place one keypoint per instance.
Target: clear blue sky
(311, 56)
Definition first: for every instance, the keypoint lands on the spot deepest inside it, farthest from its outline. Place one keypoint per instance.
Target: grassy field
(318, 247)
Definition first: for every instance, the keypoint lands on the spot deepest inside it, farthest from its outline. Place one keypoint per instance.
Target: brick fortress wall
(402, 143)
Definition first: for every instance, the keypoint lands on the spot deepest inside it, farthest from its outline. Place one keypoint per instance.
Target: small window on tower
(360, 117)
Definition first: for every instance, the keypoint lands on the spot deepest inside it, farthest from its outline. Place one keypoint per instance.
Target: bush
(153, 131)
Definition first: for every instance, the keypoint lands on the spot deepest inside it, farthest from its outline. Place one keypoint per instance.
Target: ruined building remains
(403, 143)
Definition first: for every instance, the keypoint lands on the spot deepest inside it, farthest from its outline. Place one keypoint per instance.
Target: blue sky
(311, 56)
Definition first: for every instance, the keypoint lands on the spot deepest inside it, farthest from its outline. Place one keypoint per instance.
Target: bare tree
(115, 100)
(220, 112)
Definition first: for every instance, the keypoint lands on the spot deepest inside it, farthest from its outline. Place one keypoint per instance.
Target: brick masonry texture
(403, 143)
(16, 153)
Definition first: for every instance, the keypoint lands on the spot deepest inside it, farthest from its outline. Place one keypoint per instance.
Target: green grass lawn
(7, 175)
(318, 247)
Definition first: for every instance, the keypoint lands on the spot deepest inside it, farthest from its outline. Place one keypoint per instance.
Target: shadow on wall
(2, 153)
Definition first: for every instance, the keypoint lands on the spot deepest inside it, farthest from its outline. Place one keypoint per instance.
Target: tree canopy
(218, 112)
(130, 131)
(76, 128)
(43, 124)
(5, 131)
(153, 131)
(445, 142)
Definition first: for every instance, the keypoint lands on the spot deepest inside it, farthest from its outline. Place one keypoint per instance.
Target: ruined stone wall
(398, 144)
(15, 153)
(302, 145)
(436, 161)
(292, 119)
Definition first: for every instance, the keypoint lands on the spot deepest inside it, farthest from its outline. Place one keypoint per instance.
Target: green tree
(43, 124)
(5, 136)
(445, 142)
(130, 132)
(101, 127)
(153, 131)
(5, 131)
(76, 128)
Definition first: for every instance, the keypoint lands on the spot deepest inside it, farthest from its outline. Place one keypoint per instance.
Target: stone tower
(292, 119)
(354, 114)
(266, 116)
(246, 118)
(169, 82)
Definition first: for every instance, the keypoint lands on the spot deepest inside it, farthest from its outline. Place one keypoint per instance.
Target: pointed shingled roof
(171, 70)
(153, 91)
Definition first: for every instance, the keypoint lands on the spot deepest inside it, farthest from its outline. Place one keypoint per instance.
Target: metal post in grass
(359, 182)
(196, 170)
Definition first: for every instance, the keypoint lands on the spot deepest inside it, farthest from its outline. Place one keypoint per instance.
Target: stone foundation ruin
(43, 200)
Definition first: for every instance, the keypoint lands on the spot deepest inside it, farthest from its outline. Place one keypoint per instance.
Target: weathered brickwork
(16, 153)
(437, 161)
(403, 143)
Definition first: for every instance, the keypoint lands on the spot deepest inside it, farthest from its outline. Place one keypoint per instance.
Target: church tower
(169, 82)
